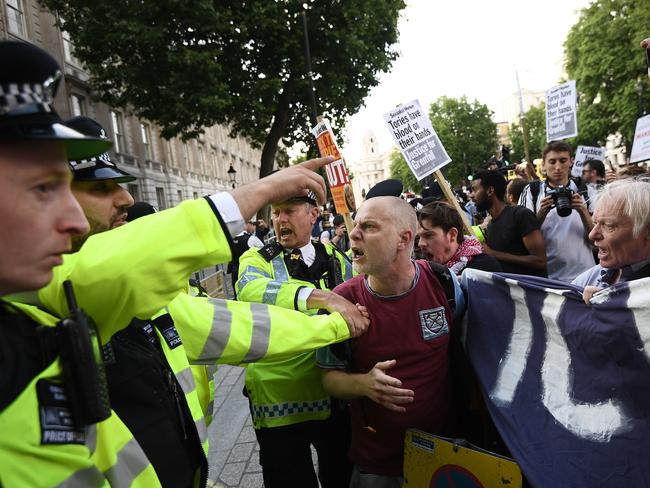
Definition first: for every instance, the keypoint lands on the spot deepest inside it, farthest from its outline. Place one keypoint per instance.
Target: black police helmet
(386, 188)
(29, 79)
(140, 209)
(98, 167)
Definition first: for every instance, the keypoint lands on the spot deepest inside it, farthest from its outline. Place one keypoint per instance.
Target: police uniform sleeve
(136, 269)
(232, 332)
(258, 283)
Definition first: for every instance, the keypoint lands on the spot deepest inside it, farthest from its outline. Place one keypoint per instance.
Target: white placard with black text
(641, 144)
(412, 131)
(561, 115)
(583, 153)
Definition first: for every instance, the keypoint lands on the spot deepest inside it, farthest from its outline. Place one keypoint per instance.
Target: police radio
(83, 366)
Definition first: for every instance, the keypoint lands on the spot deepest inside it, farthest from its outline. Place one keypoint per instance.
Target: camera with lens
(562, 196)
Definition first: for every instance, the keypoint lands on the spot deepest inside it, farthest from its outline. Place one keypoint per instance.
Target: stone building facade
(371, 168)
(168, 171)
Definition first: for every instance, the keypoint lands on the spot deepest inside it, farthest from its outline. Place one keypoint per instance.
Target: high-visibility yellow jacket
(116, 276)
(131, 271)
(204, 375)
(39, 447)
(288, 391)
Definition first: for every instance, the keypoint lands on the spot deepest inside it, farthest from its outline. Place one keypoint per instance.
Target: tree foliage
(467, 132)
(399, 170)
(535, 119)
(189, 65)
(603, 56)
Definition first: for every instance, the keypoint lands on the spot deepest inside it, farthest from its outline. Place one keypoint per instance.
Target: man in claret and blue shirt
(396, 376)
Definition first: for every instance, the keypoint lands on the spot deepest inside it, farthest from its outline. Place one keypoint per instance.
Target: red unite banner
(337, 176)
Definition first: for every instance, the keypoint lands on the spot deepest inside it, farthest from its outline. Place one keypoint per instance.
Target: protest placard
(561, 116)
(419, 143)
(641, 144)
(422, 149)
(337, 176)
(583, 153)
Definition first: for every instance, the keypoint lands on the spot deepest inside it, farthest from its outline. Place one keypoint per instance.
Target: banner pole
(451, 198)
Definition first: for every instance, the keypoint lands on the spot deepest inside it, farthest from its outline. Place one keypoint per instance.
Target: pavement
(233, 458)
(234, 454)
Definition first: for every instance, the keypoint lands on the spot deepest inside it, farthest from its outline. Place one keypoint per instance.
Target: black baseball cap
(98, 167)
(29, 79)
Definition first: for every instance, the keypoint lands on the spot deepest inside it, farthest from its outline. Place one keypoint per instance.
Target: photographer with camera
(563, 213)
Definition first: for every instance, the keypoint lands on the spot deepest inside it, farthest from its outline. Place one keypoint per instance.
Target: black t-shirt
(485, 262)
(506, 234)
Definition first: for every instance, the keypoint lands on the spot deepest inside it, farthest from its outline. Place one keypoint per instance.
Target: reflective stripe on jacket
(287, 391)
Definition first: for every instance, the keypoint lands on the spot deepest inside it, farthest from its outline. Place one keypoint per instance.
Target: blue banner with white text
(567, 384)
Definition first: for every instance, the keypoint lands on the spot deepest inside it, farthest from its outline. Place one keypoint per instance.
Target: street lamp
(232, 175)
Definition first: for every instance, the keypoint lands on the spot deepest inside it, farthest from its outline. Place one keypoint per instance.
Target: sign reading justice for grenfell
(419, 143)
(584, 153)
(561, 116)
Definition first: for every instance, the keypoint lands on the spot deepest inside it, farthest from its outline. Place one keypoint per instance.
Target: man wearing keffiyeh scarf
(441, 240)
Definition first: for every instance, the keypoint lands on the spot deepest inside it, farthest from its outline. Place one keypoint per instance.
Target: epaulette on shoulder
(270, 251)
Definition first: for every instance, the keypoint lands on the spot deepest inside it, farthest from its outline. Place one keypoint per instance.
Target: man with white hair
(622, 235)
(397, 376)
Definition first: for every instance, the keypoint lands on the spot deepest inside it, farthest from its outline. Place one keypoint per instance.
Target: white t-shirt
(325, 236)
(568, 251)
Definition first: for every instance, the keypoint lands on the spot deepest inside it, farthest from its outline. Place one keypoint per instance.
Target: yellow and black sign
(436, 462)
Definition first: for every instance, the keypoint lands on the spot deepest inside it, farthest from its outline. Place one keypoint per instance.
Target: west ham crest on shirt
(433, 323)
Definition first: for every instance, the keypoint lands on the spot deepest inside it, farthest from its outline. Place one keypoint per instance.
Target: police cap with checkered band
(29, 78)
(97, 167)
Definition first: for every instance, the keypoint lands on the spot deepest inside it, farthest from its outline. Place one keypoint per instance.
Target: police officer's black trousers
(285, 453)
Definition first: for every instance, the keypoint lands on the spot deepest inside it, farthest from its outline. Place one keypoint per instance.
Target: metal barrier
(215, 281)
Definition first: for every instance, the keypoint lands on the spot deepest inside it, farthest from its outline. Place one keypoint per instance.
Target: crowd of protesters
(387, 355)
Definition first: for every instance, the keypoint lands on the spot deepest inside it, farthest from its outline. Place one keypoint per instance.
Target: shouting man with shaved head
(396, 376)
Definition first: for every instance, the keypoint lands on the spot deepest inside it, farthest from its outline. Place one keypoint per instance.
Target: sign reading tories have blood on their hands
(561, 116)
(337, 176)
(419, 143)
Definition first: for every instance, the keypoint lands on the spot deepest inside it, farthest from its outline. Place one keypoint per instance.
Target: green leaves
(466, 131)
(188, 65)
(603, 56)
(535, 119)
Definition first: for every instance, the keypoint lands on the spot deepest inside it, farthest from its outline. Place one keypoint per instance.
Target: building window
(118, 131)
(134, 190)
(201, 159)
(68, 49)
(180, 196)
(186, 155)
(77, 105)
(160, 196)
(16, 17)
(195, 195)
(145, 132)
(170, 151)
